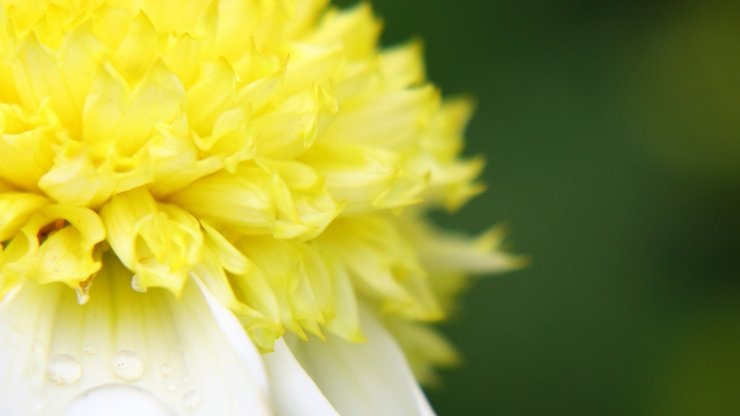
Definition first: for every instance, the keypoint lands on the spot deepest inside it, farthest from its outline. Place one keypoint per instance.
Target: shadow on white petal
(293, 391)
(136, 353)
(366, 379)
(128, 400)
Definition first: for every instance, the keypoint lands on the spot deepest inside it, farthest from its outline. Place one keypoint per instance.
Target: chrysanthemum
(216, 207)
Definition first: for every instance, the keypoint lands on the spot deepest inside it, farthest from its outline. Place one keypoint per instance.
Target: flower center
(266, 150)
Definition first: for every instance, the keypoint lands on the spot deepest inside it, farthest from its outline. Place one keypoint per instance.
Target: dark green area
(612, 133)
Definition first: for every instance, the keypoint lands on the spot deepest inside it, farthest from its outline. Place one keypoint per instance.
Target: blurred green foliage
(612, 135)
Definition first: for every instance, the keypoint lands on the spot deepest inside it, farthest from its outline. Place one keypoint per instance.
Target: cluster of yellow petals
(267, 148)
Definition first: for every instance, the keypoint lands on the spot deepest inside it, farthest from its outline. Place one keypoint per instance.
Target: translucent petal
(424, 347)
(356, 28)
(445, 253)
(125, 353)
(369, 379)
(294, 393)
(383, 264)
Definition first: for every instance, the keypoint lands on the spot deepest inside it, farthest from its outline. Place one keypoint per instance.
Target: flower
(218, 207)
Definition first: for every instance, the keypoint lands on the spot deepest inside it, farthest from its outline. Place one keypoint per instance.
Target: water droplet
(128, 365)
(137, 402)
(89, 349)
(135, 285)
(64, 369)
(166, 370)
(82, 296)
(191, 399)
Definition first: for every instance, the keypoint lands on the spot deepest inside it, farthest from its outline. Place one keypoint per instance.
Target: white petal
(371, 378)
(293, 391)
(238, 338)
(125, 353)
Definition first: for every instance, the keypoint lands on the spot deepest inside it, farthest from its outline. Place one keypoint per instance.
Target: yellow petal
(118, 117)
(58, 244)
(175, 15)
(159, 243)
(15, 209)
(26, 144)
(240, 200)
(39, 77)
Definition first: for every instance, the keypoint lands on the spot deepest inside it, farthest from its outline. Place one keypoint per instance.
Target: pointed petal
(294, 393)
(447, 253)
(371, 378)
(126, 352)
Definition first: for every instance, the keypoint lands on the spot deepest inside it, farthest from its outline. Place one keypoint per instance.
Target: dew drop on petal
(64, 369)
(128, 365)
(97, 401)
(82, 296)
(191, 399)
(136, 286)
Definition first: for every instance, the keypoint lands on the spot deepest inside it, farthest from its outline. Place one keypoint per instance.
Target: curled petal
(58, 244)
(15, 209)
(160, 243)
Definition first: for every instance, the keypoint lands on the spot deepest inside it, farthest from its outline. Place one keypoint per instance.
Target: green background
(612, 133)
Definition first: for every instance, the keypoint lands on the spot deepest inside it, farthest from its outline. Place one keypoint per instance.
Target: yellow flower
(217, 207)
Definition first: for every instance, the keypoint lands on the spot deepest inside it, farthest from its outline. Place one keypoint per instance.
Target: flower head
(259, 170)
